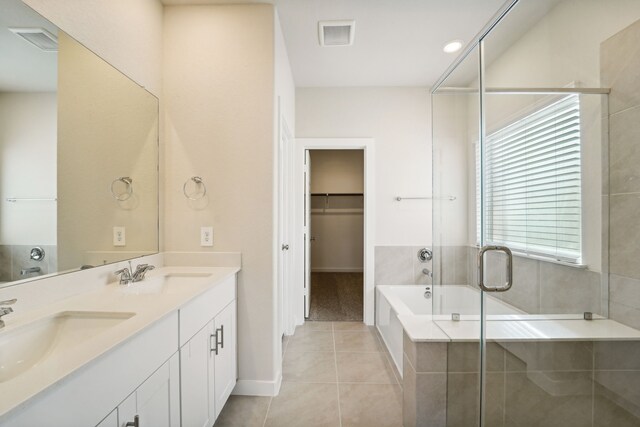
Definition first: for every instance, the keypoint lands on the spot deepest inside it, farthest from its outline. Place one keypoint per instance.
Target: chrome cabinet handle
(221, 336)
(213, 348)
(509, 281)
(135, 423)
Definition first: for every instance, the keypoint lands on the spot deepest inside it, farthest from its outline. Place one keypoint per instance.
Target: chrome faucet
(29, 270)
(128, 275)
(427, 272)
(140, 272)
(6, 310)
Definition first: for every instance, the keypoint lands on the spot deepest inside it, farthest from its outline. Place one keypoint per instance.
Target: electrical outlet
(206, 236)
(119, 237)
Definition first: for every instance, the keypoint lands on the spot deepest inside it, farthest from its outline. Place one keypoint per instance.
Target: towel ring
(197, 182)
(128, 182)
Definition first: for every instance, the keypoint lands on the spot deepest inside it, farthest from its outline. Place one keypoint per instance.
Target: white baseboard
(257, 388)
(336, 270)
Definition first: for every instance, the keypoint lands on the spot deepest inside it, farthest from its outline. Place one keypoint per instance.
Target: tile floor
(335, 374)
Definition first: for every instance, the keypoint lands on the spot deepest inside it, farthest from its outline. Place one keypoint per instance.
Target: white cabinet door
(156, 402)
(111, 420)
(196, 378)
(225, 360)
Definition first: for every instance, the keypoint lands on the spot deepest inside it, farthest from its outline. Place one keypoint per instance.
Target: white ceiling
(397, 42)
(25, 68)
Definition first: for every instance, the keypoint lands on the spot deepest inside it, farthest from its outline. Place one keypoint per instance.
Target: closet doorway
(335, 265)
(302, 287)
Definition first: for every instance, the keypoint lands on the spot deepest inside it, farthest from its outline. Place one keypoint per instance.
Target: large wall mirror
(78, 154)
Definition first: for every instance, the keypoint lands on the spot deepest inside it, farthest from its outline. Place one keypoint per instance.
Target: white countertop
(148, 308)
(436, 329)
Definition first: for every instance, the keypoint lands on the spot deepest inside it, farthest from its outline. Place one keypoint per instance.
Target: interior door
(307, 233)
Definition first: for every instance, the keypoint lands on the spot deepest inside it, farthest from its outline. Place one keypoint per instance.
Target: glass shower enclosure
(536, 194)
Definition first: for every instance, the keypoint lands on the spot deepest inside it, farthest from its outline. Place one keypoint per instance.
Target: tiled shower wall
(620, 62)
(540, 287)
(528, 383)
(14, 258)
(399, 265)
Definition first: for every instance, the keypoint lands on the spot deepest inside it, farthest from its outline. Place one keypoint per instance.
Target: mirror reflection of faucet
(29, 270)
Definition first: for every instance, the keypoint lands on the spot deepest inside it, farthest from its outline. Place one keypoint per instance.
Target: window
(532, 183)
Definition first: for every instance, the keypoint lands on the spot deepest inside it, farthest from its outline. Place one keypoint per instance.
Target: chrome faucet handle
(141, 267)
(125, 275)
(9, 302)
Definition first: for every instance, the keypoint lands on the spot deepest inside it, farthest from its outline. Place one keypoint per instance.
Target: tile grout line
(266, 415)
(335, 361)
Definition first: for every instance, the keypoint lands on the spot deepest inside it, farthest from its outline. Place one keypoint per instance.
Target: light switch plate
(206, 236)
(119, 236)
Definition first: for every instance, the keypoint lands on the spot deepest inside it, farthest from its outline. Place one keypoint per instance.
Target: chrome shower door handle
(509, 281)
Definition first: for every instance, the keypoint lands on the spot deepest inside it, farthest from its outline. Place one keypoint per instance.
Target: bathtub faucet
(427, 272)
(29, 270)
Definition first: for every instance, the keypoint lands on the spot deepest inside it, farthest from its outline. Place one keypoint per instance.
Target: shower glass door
(544, 161)
(539, 146)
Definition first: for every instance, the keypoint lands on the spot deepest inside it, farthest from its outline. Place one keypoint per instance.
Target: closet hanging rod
(450, 198)
(337, 194)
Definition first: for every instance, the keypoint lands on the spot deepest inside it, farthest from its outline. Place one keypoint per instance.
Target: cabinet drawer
(201, 310)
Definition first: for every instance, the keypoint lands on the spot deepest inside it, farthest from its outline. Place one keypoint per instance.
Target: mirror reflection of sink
(170, 283)
(27, 346)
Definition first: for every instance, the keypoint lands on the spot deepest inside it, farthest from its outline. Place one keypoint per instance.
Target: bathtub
(392, 301)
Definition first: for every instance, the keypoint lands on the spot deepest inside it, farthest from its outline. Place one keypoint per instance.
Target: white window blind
(532, 187)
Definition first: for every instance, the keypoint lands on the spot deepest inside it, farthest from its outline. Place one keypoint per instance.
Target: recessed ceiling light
(453, 46)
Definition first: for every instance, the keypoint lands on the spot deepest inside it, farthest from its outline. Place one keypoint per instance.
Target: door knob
(285, 247)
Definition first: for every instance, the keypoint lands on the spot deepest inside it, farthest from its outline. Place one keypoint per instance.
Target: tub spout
(427, 272)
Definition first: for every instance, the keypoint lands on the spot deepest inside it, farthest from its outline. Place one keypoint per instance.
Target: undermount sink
(27, 346)
(169, 283)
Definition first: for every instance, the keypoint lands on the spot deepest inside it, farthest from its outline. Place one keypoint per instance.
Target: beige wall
(337, 171)
(126, 33)
(28, 137)
(338, 226)
(399, 119)
(219, 124)
(108, 128)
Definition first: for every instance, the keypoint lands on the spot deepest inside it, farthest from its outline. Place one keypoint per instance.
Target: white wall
(28, 140)
(219, 96)
(399, 119)
(126, 33)
(337, 223)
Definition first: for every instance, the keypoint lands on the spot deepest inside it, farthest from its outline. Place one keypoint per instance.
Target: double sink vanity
(81, 346)
(157, 352)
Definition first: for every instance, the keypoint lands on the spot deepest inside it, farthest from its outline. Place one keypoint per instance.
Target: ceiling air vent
(336, 33)
(39, 37)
